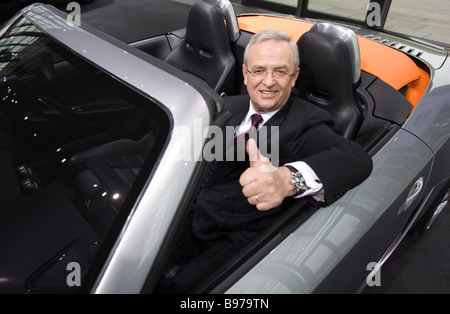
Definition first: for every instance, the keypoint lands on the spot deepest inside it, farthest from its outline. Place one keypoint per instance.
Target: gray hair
(272, 34)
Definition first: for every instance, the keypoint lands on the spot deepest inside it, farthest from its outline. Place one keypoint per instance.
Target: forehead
(275, 53)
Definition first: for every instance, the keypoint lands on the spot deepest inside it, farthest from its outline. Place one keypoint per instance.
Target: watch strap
(293, 169)
(297, 181)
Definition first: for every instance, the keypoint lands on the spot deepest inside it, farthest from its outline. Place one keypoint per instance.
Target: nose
(269, 79)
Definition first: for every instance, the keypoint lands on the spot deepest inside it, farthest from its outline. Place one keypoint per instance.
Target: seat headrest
(330, 73)
(230, 16)
(348, 38)
(206, 51)
(206, 29)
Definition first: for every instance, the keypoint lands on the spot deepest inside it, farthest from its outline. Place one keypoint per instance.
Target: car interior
(55, 203)
(73, 143)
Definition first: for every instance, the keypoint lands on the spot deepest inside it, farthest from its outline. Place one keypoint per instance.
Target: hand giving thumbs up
(263, 184)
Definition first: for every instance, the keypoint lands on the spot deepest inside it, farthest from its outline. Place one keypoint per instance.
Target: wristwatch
(298, 181)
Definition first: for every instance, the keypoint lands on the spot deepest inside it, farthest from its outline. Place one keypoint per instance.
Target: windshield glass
(353, 9)
(429, 20)
(76, 148)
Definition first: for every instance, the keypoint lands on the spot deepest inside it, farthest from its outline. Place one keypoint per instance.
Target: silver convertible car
(103, 146)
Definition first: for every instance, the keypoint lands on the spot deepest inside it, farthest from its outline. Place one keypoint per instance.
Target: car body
(102, 154)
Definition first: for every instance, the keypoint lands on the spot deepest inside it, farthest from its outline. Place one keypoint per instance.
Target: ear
(294, 78)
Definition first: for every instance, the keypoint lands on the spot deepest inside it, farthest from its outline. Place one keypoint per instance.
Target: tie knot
(256, 120)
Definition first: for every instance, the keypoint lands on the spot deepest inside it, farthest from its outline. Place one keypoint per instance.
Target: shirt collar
(266, 116)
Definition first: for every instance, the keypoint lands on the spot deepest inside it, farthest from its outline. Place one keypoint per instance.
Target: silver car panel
(143, 234)
(313, 251)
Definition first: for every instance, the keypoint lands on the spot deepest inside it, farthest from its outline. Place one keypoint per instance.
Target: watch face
(299, 182)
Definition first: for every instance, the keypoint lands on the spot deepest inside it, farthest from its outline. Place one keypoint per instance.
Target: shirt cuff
(311, 180)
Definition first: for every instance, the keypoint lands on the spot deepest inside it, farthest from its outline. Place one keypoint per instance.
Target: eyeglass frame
(267, 72)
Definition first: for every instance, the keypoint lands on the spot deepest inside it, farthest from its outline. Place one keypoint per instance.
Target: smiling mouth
(268, 92)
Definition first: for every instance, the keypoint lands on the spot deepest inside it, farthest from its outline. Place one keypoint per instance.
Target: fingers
(251, 187)
(264, 201)
(248, 176)
(260, 203)
(261, 188)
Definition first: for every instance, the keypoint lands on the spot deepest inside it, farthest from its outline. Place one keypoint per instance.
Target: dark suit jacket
(304, 135)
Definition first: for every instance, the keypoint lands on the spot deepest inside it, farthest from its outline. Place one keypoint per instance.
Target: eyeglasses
(276, 74)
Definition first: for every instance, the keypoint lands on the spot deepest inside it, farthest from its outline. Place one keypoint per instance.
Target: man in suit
(239, 199)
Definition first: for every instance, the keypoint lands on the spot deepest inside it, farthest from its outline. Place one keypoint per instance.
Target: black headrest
(206, 52)
(329, 73)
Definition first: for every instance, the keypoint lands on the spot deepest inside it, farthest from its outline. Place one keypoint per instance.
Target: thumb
(253, 151)
(256, 158)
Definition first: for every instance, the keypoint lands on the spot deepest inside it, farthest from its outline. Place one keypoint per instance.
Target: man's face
(267, 91)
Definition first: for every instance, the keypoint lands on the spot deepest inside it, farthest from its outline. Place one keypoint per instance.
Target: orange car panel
(390, 65)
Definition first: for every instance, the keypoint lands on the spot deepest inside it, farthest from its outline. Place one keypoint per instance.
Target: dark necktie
(256, 121)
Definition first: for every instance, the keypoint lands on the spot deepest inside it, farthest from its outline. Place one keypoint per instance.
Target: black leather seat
(330, 73)
(206, 51)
